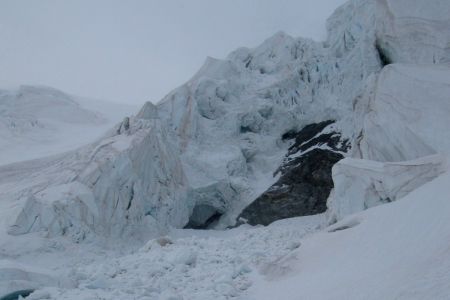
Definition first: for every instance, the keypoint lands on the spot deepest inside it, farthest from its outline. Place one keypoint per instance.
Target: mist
(136, 51)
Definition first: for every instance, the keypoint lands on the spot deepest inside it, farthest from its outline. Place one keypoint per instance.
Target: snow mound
(42, 118)
(30, 102)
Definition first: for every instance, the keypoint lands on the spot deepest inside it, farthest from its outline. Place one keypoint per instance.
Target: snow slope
(395, 251)
(40, 121)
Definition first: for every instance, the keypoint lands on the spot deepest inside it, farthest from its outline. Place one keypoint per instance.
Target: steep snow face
(404, 140)
(42, 118)
(129, 183)
(416, 32)
(407, 116)
(403, 31)
(402, 116)
(361, 184)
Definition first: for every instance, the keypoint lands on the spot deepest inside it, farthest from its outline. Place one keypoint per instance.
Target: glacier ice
(361, 184)
(210, 147)
(128, 184)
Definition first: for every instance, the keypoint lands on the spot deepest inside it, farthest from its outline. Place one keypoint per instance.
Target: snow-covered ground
(399, 250)
(187, 264)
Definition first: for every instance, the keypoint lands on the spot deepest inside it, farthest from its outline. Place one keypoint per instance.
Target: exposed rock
(305, 181)
(302, 190)
(305, 135)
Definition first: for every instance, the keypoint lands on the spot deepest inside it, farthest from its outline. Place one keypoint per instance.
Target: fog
(134, 51)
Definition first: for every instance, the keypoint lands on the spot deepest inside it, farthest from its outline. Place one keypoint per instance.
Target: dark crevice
(203, 217)
(248, 62)
(340, 228)
(349, 224)
(209, 222)
(383, 55)
(15, 295)
(131, 197)
(245, 129)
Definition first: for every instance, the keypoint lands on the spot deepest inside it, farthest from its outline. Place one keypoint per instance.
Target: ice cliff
(130, 183)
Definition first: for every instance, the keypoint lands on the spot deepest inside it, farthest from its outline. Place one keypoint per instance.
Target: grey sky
(133, 51)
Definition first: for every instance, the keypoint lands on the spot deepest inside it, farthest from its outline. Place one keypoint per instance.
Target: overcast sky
(134, 51)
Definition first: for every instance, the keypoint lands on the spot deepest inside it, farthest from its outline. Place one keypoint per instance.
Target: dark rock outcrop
(305, 181)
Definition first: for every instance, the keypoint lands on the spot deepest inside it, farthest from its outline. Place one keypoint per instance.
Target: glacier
(212, 147)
